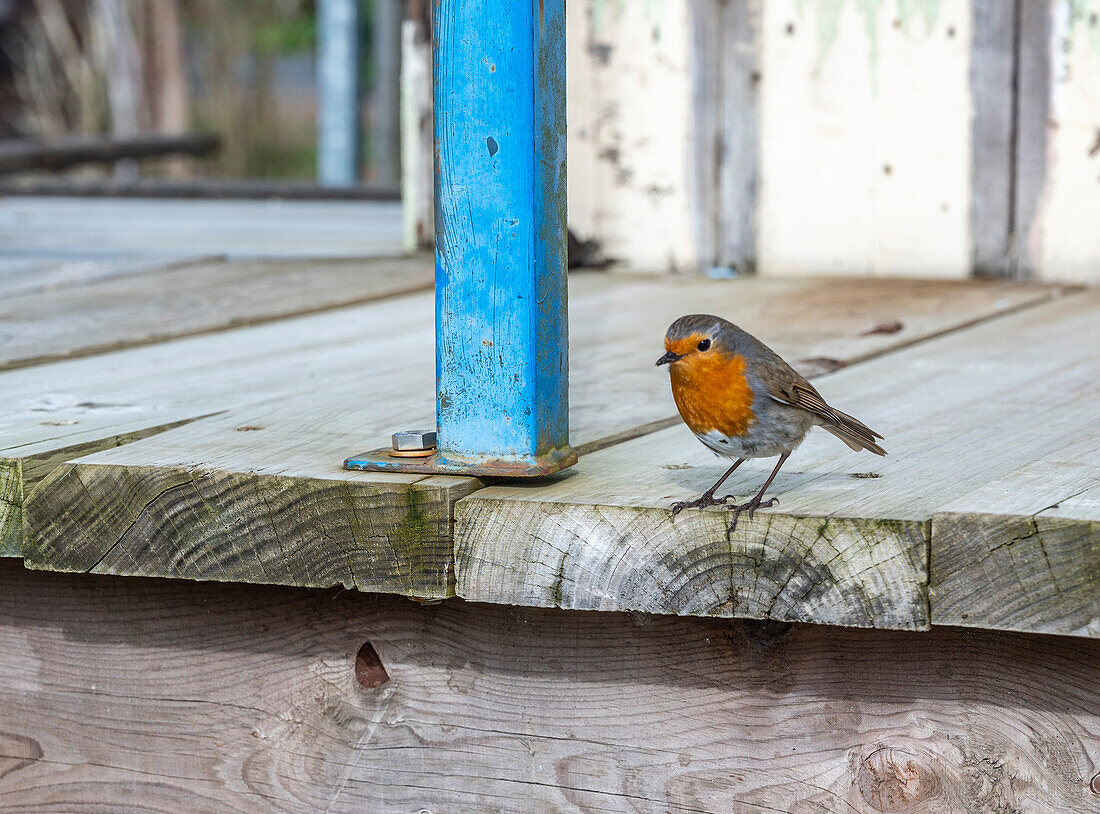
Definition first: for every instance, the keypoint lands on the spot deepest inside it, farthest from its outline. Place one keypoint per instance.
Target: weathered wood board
(168, 697)
(617, 327)
(849, 542)
(22, 273)
(144, 227)
(57, 411)
(1023, 553)
(1060, 160)
(853, 178)
(192, 298)
(631, 131)
(291, 406)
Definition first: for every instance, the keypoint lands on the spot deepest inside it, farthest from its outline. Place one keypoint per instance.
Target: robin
(743, 401)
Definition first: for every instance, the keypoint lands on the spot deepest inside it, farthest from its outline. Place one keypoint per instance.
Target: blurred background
(246, 72)
(927, 138)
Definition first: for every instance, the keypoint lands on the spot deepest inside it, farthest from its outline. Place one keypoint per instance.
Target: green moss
(11, 509)
(416, 543)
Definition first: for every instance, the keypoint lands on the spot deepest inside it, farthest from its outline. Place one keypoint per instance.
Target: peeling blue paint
(501, 347)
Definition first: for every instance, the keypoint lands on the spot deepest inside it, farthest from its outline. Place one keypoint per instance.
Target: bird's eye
(704, 345)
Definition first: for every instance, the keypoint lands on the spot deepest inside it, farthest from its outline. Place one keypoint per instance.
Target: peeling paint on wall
(1082, 15)
(828, 14)
(654, 13)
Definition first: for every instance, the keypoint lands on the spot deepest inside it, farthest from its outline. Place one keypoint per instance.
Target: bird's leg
(707, 498)
(758, 501)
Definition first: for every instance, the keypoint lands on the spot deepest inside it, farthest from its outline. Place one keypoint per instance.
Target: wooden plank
(1062, 240)
(417, 131)
(631, 132)
(272, 191)
(992, 134)
(235, 228)
(1023, 553)
(38, 272)
(338, 112)
(186, 299)
(292, 405)
(168, 697)
(21, 155)
(277, 381)
(364, 533)
(707, 50)
(725, 79)
(617, 326)
(853, 181)
(68, 409)
(740, 76)
(1032, 118)
(845, 546)
(25, 465)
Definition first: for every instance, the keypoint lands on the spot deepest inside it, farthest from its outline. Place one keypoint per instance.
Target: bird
(742, 401)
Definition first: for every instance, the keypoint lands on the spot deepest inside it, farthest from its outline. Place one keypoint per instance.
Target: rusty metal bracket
(379, 460)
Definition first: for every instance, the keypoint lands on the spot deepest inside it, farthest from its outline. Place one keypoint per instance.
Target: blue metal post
(502, 404)
(500, 210)
(338, 92)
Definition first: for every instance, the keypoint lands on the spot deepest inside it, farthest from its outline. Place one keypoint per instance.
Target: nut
(414, 440)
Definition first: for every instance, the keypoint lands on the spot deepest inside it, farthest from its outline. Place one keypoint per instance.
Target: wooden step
(965, 418)
(255, 491)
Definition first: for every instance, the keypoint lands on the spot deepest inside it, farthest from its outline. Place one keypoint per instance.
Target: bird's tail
(853, 432)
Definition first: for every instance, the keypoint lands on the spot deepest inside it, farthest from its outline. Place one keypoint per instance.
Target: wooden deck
(193, 451)
(188, 419)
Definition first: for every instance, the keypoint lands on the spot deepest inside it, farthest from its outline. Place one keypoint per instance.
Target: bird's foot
(701, 502)
(750, 507)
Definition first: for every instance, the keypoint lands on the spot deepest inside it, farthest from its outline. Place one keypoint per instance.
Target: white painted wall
(864, 139)
(865, 122)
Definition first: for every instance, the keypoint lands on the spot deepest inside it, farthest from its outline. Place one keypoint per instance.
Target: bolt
(413, 443)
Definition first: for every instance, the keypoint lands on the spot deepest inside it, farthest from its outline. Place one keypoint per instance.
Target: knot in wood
(369, 670)
(1094, 784)
(894, 780)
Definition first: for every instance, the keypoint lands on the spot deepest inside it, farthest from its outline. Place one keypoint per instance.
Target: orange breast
(712, 393)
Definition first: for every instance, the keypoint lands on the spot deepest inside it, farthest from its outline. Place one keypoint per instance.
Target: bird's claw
(700, 502)
(750, 507)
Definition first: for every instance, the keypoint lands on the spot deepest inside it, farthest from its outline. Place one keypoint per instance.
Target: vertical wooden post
(123, 78)
(338, 92)
(501, 345)
(417, 130)
(387, 79)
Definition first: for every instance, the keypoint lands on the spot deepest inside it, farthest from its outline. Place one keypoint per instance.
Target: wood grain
(293, 402)
(256, 492)
(192, 298)
(856, 572)
(19, 475)
(373, 534)
(120, 694)
(959, 414)
(1023, 553)
(70, 409)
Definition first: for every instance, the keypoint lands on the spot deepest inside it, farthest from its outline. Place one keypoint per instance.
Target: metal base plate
(379, 460)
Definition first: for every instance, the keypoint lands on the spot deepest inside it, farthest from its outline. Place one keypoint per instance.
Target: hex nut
(414, 440)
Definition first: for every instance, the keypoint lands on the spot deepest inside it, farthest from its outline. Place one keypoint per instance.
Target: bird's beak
(669, 358)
